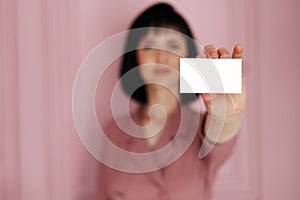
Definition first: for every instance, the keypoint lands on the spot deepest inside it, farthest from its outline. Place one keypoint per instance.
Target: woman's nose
(161, 56)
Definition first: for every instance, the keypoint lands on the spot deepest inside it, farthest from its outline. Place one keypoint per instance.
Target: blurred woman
(165, 116)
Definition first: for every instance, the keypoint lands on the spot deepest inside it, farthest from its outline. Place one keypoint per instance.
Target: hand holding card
(235, 103)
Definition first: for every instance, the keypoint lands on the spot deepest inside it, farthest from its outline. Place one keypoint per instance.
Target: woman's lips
(162, 70)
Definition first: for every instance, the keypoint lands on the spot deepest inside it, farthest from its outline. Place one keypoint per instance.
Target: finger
(244, 93)
(213, 102)
(211, 51)
(238, 51)
(207, 101)
(223, 53)
(243, 85)
(206, 97)
(202, 55)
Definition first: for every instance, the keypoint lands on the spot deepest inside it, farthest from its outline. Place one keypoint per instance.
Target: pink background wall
(42, 44)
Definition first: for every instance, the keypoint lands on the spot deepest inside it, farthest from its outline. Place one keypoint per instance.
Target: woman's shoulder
(120, 128)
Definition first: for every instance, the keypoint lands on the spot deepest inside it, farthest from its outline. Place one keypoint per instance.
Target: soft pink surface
(42, 44)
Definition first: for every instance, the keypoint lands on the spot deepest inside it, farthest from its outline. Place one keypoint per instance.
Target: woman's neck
(168, 98)
(161, 104)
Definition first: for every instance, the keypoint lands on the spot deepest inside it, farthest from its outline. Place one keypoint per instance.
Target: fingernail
(212, 53)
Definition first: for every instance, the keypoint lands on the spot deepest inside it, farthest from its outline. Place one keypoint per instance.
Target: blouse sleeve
(214, 155)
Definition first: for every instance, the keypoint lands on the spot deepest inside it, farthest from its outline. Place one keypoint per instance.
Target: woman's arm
(230, 122)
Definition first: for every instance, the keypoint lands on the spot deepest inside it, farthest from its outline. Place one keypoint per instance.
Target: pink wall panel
(43, 44)
(9, 141)
(280, 99)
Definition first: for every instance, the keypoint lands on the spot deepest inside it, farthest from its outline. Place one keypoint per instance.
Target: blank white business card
(203, 75)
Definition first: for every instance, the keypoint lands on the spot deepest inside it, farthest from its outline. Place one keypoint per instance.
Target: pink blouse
(188, 178)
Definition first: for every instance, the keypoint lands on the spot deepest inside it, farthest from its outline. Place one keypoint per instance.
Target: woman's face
(158, 56)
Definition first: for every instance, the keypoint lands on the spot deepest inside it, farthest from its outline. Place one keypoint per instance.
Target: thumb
(238, 51)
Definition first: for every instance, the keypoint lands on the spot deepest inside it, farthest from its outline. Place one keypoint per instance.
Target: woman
(156, 53)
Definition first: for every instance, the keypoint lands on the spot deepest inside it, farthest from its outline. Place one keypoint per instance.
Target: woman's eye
(174, 47)
(148, 48)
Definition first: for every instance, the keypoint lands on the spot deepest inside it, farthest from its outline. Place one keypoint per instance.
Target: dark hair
(158, 15)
